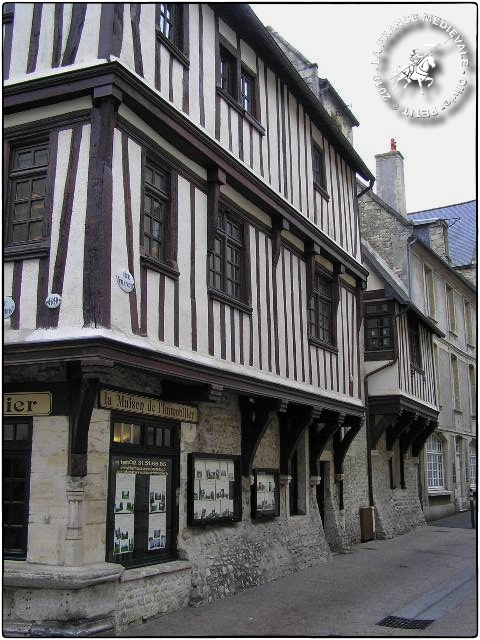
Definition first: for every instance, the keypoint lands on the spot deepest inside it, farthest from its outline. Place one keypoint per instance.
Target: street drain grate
(404, 623)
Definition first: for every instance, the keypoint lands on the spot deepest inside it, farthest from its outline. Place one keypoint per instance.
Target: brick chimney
(390, 181)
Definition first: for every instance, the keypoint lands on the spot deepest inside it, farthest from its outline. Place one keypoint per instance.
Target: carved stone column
(74, 535)
(285, 481)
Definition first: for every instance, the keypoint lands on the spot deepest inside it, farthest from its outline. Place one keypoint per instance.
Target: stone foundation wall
(397, 511)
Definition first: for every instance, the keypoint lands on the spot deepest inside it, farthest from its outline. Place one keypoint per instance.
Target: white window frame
(472, 460)
(451, 315)
(429, 291)
(435, 464)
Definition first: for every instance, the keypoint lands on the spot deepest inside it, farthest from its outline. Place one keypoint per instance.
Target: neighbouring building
(420, 312)
(183, 395)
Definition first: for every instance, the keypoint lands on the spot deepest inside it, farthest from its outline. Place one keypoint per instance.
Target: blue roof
(462, 229)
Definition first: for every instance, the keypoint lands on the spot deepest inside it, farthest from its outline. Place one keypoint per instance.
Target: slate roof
(462, 229)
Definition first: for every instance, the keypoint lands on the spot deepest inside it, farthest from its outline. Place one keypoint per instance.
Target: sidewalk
(427, 574)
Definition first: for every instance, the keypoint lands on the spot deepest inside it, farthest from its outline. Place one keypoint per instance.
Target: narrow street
(428, 574)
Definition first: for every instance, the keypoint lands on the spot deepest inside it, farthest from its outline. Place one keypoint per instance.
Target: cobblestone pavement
(425, 575)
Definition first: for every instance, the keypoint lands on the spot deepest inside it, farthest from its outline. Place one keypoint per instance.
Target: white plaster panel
(201, 296)
(262, 302)
(45, 45)
(248, 56)
(67, 18)
(164, 71)
(7, 278)
(245, 319)
(237, 321)
(296, 318)
(136, 194)
(255, 304)
(177, 81)
(246, 140)
(256, 153)
(129, 115)
(28, 295)
(245, 204)
(272, 128)
(169, 310)
(194, 71)
(209, 68)
(227, 33)
(294, 151)
(303, 285)
(126, 54)
(21, 38)
(88, 46)
(228, 344)
(147, 38)
(39, 113)
(184, 264)
(153, 304)
(217, 348)
(71, 311)
(235, 141)
(63, 153)
(120, 301)
(224, 135)
(289, 318)
(281, 317)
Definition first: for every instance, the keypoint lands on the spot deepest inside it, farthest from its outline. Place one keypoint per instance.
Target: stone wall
(397, 511)
(229, 558)
(355, 486)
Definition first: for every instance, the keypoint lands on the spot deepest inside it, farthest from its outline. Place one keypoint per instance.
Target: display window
(265, 494)
(214, 489)
(143, 513)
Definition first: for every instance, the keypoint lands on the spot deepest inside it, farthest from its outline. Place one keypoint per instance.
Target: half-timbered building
(182, 311)
(410, 385)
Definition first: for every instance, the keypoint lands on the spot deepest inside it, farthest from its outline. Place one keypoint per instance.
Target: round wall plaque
(53, 301)
(125, 280)
(8, 307)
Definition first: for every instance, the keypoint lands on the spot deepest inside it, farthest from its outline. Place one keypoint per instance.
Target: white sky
(440, 154)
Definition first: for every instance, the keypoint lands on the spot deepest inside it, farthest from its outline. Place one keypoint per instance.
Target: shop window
(319, 170)
(378, 327)
(435, 473)
(227, 268)
(26, 191)
(17, 447)
(143, 479)
(321, 310)
(414, 342)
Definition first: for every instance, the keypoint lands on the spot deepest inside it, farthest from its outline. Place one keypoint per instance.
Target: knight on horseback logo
(418, 69)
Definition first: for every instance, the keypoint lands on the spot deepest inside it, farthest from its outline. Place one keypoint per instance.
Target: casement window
(155, 211)
(318, 168)
(455, 383)
(17, 447)
(468, 323)
(429, 293)
(414, 342)
(472, 379)
(170, 22)
(26, 190)
(238, 84)
(435, 469)
(472, 450)
(321, 310)
(452, 321)
(247, 92)
(378, 327)
(143, 480)
(228, 72)
(227, 268)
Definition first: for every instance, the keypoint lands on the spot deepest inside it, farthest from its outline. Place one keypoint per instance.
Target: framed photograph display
(265, 494)
(214, 489)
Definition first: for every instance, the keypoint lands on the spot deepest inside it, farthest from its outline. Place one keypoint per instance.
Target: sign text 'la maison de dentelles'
(119, 401)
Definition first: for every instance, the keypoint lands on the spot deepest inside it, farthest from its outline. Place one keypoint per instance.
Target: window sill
(378, 355)
(21, 252)
(438, 492)
(453, 333)
(174, 50)
(139, 573)
(238, 107)
(220, 296)
(160, 267)
(458, 412)
(315, 342)
(322, 191)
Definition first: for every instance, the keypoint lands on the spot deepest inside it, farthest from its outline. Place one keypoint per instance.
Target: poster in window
(265, 494)
(125, 493)
(214, 489)
(157, 518)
